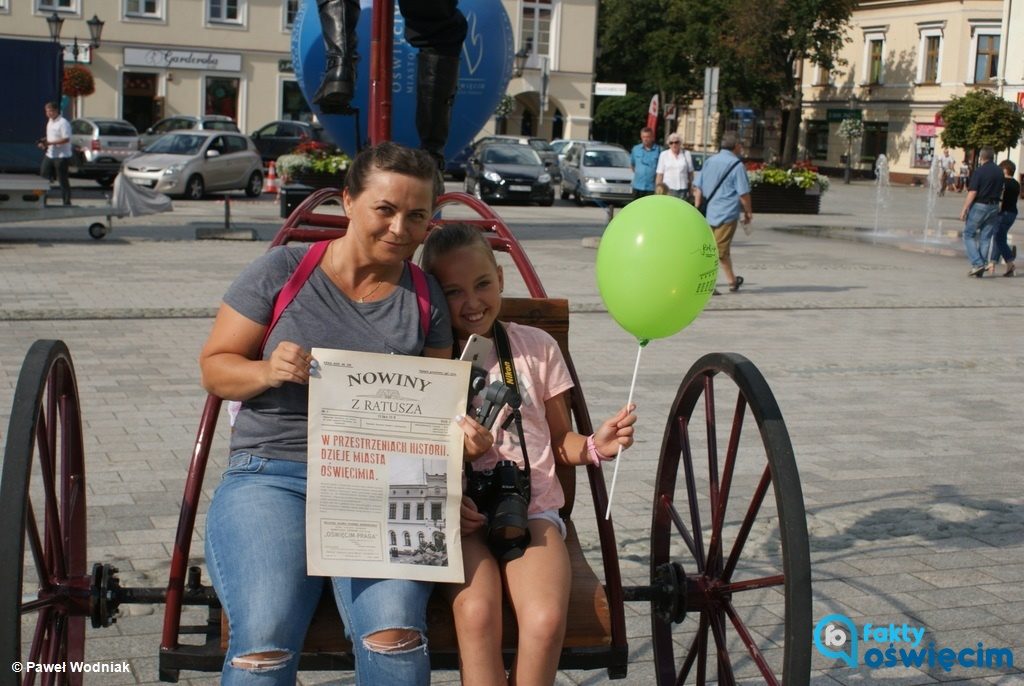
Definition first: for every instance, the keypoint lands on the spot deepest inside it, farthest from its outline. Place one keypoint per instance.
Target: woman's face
(388, 220)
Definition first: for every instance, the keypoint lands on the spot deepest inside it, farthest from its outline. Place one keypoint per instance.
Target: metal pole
(381, 48)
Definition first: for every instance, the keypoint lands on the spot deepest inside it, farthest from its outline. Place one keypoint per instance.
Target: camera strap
(508, 376)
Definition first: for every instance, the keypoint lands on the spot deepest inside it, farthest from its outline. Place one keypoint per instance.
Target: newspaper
(385, 466)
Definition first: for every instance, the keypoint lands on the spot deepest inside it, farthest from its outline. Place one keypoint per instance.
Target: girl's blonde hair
(448, 237)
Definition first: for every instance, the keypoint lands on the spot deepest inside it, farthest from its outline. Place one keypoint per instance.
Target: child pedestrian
(537, 583)
(662, 189)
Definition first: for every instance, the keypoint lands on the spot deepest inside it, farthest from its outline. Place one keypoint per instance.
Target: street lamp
(520, 62)
(55, 22)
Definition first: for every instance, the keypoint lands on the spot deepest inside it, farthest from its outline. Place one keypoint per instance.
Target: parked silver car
(597, 172)
(191, 163)
(99, 146)
(181, 122)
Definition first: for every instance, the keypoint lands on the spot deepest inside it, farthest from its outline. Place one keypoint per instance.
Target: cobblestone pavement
(897, 375)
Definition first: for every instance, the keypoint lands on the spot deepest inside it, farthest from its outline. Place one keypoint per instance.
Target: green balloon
(656, 266)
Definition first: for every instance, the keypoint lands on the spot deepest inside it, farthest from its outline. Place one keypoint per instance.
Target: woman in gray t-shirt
(360, 297)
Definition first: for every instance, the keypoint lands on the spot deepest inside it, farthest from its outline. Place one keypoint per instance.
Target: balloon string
(629, 402)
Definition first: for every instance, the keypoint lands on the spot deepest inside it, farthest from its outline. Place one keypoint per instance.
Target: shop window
(924, 151)
(293, 104)
(224, 11)
(876, 141)
(817, 139)
(222, 96)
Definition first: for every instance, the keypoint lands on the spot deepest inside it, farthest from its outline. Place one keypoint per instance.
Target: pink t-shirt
(542, 374)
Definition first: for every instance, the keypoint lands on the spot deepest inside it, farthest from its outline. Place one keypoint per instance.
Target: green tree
(663, 46)
(981, 118)
(619, 119)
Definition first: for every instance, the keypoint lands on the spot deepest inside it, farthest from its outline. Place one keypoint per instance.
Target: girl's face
(472, 284)
(388, 220)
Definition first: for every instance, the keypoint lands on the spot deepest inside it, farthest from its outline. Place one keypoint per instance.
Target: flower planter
(769, 199)
(318, 179)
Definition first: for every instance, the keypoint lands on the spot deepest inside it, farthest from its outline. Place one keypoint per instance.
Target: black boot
(437, 79)
(338, 19)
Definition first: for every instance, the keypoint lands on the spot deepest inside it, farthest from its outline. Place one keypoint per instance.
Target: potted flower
(314, 164)
(796, 190)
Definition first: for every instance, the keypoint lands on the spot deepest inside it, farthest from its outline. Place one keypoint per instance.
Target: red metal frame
(381, 48)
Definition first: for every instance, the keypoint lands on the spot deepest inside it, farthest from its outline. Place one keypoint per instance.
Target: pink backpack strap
(294, 284)
(419, 285)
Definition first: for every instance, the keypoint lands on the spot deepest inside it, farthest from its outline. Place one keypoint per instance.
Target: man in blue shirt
(723, 180)
(643, 159)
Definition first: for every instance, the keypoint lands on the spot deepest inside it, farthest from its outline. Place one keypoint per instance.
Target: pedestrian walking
(643, 160)
(675, 168)
(723, 182)
(57, 148)
(1007, 216)
(981, 210)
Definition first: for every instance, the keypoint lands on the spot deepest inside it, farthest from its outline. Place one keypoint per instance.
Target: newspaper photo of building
(416, 521)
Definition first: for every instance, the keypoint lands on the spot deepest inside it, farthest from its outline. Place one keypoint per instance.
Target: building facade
(906, 59)
(416, 514)
(160, 58)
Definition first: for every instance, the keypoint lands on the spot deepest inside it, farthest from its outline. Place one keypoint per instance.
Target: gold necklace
(334, 272)
(373, 290)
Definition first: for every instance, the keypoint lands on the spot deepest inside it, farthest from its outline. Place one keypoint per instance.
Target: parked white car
(191, 163)
(597, 172)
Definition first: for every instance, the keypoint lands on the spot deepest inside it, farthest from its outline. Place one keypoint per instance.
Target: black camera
(502, 493)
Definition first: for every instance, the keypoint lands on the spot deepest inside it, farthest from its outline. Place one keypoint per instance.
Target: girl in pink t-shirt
(537, 582)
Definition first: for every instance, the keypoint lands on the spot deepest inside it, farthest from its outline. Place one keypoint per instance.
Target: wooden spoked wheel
(44, 587)
(730, 568)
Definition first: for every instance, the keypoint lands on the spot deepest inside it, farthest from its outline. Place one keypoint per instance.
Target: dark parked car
(456, 166)
(211, 122)
(507, 172)
(547, 154)
(281, 137)
(99, 146)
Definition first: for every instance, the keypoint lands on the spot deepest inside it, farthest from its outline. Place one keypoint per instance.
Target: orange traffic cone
(270, 183)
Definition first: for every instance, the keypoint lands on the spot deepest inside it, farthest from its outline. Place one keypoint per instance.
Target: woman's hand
(288, 362)
(615, 432)
(477, 439)
(470, 519)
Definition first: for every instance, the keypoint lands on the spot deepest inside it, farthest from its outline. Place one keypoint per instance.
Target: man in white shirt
(57, 145)
(675, 168)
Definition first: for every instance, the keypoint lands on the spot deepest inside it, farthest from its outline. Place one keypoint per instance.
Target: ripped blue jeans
(256, 554)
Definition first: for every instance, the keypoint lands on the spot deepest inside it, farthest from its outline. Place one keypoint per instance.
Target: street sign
(609, 88)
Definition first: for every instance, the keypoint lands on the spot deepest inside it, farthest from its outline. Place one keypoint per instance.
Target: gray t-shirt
(273, 424)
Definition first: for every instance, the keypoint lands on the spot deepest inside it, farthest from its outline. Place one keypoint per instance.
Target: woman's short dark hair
(452, 236)
(392, 157)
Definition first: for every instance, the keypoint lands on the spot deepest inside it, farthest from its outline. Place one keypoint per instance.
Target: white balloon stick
(618, 455)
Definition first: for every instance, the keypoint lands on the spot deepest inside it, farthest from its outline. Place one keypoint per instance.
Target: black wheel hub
(668, 587)
(104, 595)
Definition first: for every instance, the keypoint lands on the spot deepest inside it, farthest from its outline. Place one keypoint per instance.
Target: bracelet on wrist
(593, 453)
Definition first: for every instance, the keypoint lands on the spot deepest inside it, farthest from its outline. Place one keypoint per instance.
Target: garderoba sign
(182, 59)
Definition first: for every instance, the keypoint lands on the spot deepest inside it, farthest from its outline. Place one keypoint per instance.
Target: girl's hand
(617, 431)
(470, 519)
(478, 440)
(288, 362)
